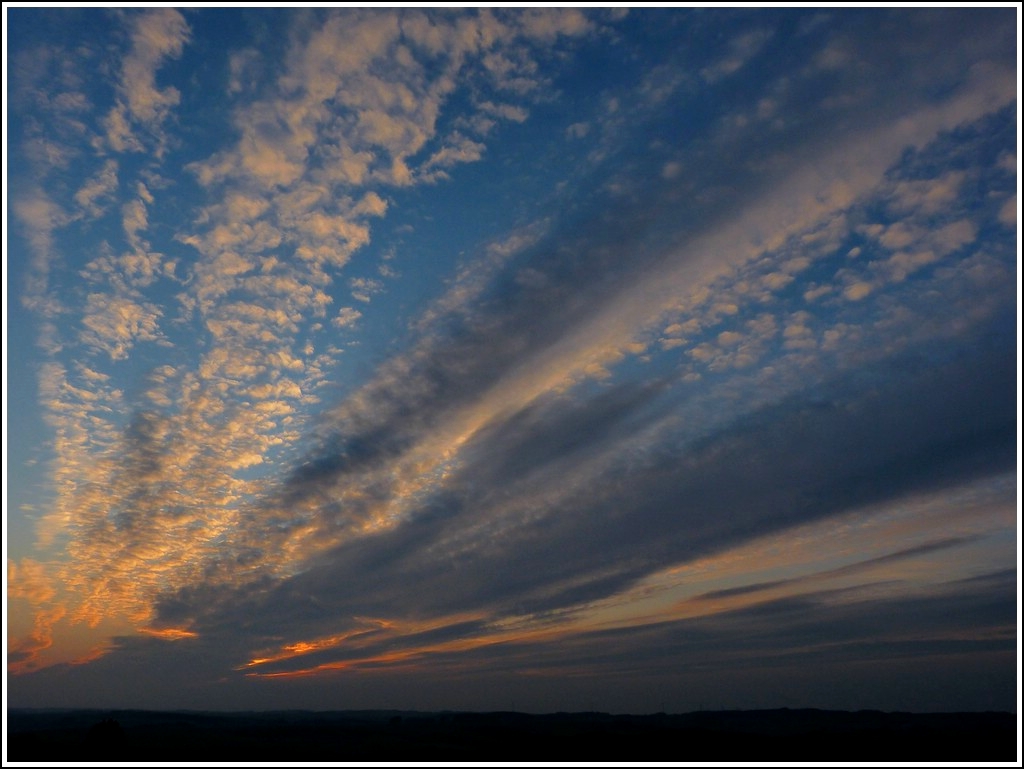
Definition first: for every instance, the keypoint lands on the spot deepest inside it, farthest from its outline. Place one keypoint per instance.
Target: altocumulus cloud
(721, 401)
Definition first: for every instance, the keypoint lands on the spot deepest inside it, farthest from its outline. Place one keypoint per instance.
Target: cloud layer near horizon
(731, 378)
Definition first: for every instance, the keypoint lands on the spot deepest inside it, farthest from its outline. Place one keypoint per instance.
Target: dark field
(756, 735)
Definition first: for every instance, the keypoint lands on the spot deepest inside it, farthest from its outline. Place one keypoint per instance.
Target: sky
(631, 360)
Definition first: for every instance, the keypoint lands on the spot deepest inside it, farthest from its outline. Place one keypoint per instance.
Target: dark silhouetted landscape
(745, 735)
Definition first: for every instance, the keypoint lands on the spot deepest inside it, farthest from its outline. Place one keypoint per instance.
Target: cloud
(346, 317)
(460, 150)
(155, 36)
(47, 80)
(115, 324)
(28, 579)
(25, 654)
(857, 291)
(40, 217)
(412, 386)
(741, 50)
(364, 288)
(1008, 213)
(548, 24)
(134, 220)
(830, 629)
(928, 196)
(371, 204)
(188, 445)
(470, 528)
(395, 106)
(383, 442)
(671, 170)
(660, 513)
(504, 111)
(577, 130)
(244, 65)
(99, 188)
(575, 418)
(119, 132)
(352, 109)
(855, 568)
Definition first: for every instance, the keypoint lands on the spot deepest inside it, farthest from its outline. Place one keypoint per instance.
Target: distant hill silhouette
(744, 735)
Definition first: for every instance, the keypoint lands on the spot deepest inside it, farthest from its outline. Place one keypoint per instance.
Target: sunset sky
(582, 359)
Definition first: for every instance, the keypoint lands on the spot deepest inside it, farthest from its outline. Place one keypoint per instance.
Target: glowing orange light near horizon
(168, 633)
